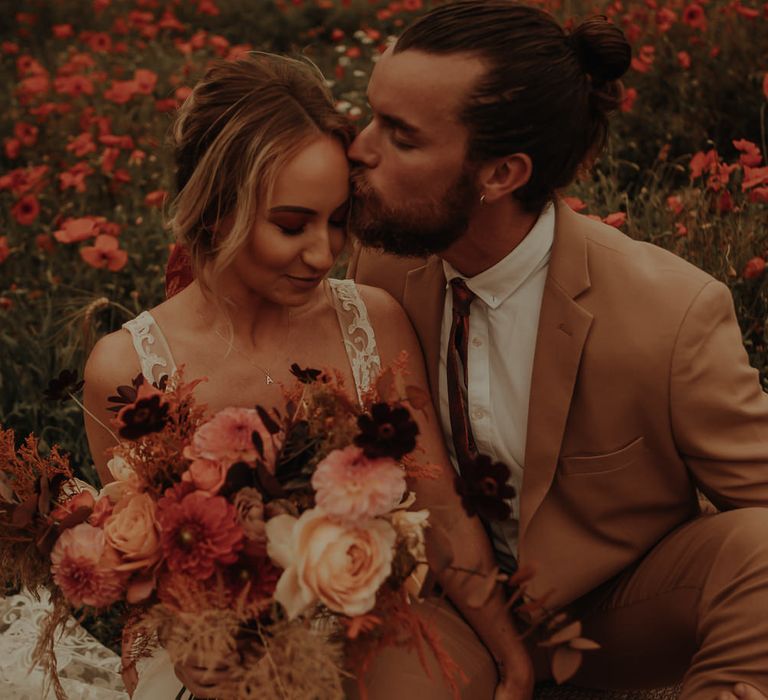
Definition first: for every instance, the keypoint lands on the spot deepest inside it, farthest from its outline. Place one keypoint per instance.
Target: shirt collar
(499, 282)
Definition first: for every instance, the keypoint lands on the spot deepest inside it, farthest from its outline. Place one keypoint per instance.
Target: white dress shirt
(503, 323)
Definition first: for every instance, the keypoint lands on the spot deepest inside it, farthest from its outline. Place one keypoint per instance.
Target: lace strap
(357, 333)
(151, 346)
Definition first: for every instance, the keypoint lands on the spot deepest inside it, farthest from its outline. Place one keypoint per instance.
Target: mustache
(359, 182)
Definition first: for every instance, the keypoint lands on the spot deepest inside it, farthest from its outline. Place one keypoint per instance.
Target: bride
(263, 190)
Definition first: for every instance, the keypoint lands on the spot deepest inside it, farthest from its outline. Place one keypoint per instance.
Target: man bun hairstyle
(546, 92)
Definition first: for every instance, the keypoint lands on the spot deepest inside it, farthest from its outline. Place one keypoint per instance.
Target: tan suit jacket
(641, 391)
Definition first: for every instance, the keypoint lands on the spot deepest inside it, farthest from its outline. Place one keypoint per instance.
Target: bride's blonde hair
(241, 124)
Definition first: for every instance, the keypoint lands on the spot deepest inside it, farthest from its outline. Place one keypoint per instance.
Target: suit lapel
(563, 329)
(423, 300)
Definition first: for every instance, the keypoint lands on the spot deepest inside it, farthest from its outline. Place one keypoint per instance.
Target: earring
(482, 198)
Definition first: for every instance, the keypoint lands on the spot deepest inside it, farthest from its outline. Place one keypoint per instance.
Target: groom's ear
(503, 176)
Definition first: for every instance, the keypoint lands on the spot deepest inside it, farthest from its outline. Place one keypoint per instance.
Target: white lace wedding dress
(90, 671)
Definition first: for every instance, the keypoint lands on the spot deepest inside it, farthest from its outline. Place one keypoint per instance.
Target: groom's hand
(516, 677)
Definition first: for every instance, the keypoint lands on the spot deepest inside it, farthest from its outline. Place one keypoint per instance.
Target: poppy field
(88, 90)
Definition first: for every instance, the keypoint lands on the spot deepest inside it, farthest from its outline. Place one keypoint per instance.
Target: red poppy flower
(156, 198)
(754, 177)
(62, 31)
(100, 41)
(169, 21)
(73, 85)
(694, 17)
(575, 203)
(665, 18)
(145, 81)
(121, 91)
(702, 162)
(105, 253)
(630, 95)
(753, 269)
(759, 194)
(208, 7)
(108, 159)
(82, 145)
(75, 177)
(26, 210)
(750, 152)
(76, 230)
(26, 133)
(684, 59)
(617, 219)
(675, 204)
(5, 249)
(12, 148)
(32, 87)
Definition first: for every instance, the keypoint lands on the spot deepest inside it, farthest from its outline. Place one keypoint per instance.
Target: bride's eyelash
(291, 231)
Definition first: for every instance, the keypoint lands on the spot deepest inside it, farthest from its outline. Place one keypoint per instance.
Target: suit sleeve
(718, 409)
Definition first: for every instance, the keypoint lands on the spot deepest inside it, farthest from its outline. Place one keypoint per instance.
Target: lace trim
(87, 669)
(141, 330)
(357, 333)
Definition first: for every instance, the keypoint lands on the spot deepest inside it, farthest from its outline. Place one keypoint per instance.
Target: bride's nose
(318, 254)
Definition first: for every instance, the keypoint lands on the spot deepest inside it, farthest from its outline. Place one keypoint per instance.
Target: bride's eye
(340, 217)
(290, 225)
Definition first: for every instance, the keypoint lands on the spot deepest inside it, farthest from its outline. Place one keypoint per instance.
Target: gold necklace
(247, 358)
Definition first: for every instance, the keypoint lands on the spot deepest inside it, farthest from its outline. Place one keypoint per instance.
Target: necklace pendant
(270, 380)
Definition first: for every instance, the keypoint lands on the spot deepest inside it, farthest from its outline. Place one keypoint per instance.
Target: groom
(608, 374)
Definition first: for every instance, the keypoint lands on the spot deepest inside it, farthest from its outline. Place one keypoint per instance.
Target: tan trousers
(695, 608)
(398, 675)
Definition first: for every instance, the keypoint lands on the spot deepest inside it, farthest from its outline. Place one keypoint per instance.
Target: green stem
(94, 418)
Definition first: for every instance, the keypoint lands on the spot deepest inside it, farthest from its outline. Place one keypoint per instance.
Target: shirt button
(478, 413)
(477, 342)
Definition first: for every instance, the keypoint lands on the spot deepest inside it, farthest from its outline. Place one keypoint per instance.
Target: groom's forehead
(417, 82)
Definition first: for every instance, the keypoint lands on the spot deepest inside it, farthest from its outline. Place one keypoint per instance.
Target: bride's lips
(305, 282)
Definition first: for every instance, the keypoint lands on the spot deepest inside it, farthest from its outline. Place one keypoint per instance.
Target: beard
(413, 230)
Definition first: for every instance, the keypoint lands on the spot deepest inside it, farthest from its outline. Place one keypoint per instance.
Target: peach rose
(341, 564)
(132, 531)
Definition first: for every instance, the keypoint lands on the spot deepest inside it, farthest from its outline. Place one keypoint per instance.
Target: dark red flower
(63, 386)
(484, 489)
(147, 415)
(386, 432)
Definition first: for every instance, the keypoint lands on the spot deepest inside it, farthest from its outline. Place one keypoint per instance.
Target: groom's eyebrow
(399, 124)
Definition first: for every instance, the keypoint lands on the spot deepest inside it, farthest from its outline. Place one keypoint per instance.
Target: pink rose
(85, 567)
(341, 564)
(206, 475)
(351, 486)
(228, 437)
(132, 531)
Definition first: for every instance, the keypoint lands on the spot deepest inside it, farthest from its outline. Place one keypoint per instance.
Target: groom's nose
(363, 149)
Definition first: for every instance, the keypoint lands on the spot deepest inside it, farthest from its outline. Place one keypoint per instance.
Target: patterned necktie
(458, 397)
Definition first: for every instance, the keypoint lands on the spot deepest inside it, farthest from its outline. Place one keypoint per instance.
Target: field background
(88, 91)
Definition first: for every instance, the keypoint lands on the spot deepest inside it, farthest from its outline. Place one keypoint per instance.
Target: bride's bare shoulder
(112, 361)
(383, 308)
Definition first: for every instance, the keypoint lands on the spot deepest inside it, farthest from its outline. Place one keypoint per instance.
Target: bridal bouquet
(281, 538)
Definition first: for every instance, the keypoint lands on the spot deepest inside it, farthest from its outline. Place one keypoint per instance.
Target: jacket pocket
(600, 464)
